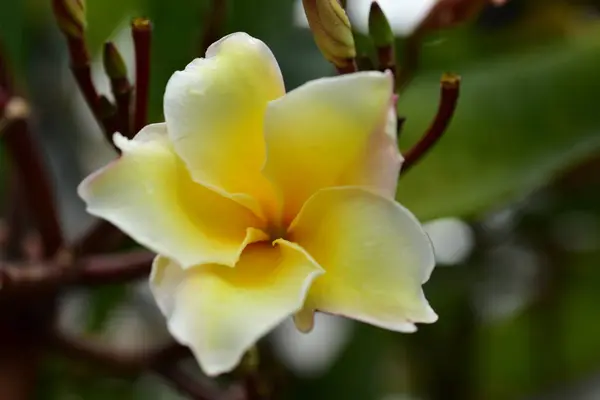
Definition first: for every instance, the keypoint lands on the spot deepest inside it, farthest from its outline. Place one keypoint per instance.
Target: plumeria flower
(263, 205)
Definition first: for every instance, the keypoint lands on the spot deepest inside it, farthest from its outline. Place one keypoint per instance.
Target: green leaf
(519, 121)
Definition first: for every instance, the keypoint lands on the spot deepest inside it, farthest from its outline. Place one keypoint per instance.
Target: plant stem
(31, 280)
(450, 85)
(80, 66)
(141, 29)
(35, 183)
(214, 24)
(101, 237)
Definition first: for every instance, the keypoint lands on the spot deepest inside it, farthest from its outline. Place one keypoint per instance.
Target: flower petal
(149, 195)
(375, 254)
(330, 132)
(221, 312)
(214, 110)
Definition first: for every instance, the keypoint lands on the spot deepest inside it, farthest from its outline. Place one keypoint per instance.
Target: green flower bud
(379, 27)
(113, 62)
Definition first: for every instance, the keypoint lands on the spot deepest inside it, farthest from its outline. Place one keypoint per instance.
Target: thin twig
(214, 24)
(141, 29)
(28, 162)
(450, 85)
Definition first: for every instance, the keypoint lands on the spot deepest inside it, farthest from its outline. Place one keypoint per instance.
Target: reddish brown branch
(35, 182)
(411, 53)
(15, 217)
(80, 65)
(348, 68)
(141, 29)
(101, 237)
(121, 88)
(115, 268)
(450, 85)
(71, 21)
(214, 24)
(82, 72)
(16, 280)
(123, 100)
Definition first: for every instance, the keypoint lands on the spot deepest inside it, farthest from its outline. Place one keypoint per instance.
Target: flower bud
(379, 27)
(113, 62)
(383, 37)
(70, 16)
(331, 29)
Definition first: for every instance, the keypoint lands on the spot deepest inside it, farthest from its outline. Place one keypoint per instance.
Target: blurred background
(510, 197)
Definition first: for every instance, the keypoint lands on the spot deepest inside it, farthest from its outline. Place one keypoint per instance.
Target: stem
(15, 219)
(20, 339)
(450, 85)
(36, 186)
(116, 268)
(23, 280)
(80, 66)
(386, 58)
(348, 68)
(214, 26)
(410, 62)
(141, 29)
(115, 68)
(122, 92)
(99, 238)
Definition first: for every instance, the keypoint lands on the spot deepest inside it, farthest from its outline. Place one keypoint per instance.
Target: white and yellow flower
(263, 205)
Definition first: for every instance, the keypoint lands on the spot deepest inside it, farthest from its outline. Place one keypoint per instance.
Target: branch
(450, 85)
(141, 29)
(214, 24)
(31, 171)
(121, 88)
(411, 53)
(82, 72)
(16, 280)
(349, 68)
(101, 237)
(162, 361)
(115, 268)
(70, 18)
